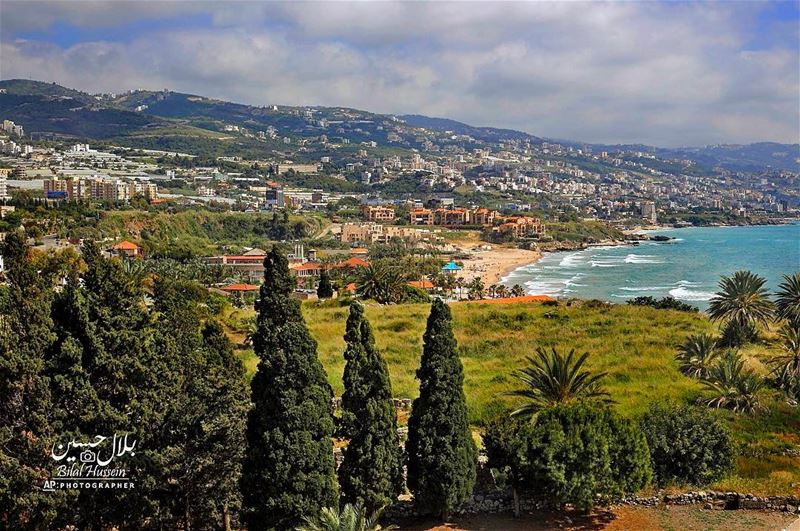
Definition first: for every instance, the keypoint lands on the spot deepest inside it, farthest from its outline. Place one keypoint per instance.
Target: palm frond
(552, 378)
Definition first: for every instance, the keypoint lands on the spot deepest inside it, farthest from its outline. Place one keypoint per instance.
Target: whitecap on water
(688, 295)
(642, 259)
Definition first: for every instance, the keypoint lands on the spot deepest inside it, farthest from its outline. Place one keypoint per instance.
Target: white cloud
(666, 74)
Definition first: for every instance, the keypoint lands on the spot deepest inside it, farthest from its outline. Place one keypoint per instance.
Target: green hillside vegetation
(194, 232)
(635, 345)
(583, 231)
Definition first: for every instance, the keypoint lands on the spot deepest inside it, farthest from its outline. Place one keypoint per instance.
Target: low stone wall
(721, 500)
(400, 404)
(500, 501)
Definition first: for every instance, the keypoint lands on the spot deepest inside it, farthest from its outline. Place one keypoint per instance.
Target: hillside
(489, 134)
(47, 109)
(635, 345)
(50, 110)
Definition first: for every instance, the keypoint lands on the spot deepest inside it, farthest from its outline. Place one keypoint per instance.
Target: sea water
(688, 267)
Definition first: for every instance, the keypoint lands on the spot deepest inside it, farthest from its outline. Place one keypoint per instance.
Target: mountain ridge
(49, 108)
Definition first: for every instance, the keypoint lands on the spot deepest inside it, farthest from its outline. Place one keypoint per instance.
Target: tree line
(96, 354)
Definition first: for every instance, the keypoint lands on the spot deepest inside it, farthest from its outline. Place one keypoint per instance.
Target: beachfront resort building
(520, 227)
(376, 233)
(452, 217)
(377, 213)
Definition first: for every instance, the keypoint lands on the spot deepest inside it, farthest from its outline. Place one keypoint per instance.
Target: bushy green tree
(787, 299)
(579, 453)
(25, 401)
(288, 469)
(371, 474)
(441, 452)
(732, 385)
(349, 518)
(381, 281)
(687, 445)
(503, 441)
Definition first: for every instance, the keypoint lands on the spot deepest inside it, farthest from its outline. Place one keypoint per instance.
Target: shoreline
(577, 248)
(494, 264)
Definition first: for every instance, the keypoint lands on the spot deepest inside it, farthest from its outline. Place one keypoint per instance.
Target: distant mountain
(749, 157)
(734, 157)
(488, 134)
(196, 124)
(53, 109)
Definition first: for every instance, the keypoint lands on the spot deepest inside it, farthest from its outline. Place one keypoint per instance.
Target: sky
(660, 73)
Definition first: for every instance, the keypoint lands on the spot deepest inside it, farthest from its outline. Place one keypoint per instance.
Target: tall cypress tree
(325, 288)
(372, 471)
(441, 452)
(203, 431)
(288, 470)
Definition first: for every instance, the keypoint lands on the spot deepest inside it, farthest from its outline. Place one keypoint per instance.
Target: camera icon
(88, 456)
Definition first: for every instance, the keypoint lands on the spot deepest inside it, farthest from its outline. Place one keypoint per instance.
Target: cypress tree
(371, 474)
(325, 288)
(203, 431)
(288, 470)
(441, 452)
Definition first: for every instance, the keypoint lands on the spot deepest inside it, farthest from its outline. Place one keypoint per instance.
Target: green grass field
(635, 345)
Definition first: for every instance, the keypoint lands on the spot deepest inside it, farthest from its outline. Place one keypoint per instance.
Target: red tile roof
(308, 266)
(421, 284)
(352, 262)
(512, 300)
(125, 245)
(241, 287)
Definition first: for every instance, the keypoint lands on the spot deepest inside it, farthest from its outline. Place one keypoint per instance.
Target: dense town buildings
(98, 189)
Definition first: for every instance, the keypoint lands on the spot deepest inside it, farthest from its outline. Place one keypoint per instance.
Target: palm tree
(476, 288)
(697, 355)
(381, 282)
(786, 367)
(349, 518)
(788, 298)
(551, 379)
(742, 301)
(517, 291)
(502, 291)
(493, 291)
(732, 386)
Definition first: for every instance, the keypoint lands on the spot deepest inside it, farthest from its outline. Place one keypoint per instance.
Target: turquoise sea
(687, 268)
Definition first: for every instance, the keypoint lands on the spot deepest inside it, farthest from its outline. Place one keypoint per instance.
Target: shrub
(416, 295)
(666, 303)
(688, 445)
(582, 453)
(736, 334)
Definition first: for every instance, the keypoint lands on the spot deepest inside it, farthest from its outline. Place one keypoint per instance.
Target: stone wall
(500, 501)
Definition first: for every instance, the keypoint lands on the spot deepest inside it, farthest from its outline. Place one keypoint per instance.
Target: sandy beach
(493, 264)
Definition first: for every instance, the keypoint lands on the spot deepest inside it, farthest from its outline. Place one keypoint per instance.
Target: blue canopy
(451, 266)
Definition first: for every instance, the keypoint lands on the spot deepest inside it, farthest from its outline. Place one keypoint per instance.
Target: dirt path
(689, 518)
